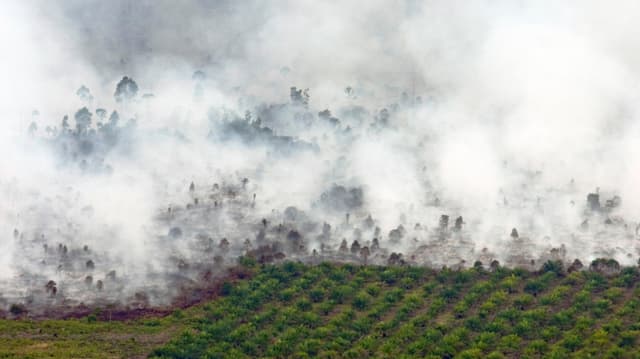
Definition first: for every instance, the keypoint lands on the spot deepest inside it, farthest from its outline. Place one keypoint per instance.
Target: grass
(81, 338)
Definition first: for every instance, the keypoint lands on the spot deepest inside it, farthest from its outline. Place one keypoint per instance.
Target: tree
(458, 224)
(444, 222)
(199, 75)
(355, 247)
(368, 222)
(396, 234)
(33, 127)
(343, 246)
(395, 259)
(360, 301)
(534, 286)
(495, 265)
(593, 201)
(51, 288)
(383, 117)
(224, 244)
(605, 266)
(316, 294)
(294, 240)
(65, 123)
(375, 244)
(340, 293)
(575, 266)
(364, 252)
(326, 231)
(299, 97)
(553, 266)
(17, 309)
(83, 119)
(111, 275)
(247, 244)
(84, 94)
(114, 118)
(126, 90)
(101, 113)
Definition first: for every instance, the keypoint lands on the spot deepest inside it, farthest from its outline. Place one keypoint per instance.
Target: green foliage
(340, 293)
(248, 262)
(287, 294)
(393, 295)
(614, 294)
(534, 286)
(524, 300)
(361, 300)
(317, 295)
(226, 289)
(331, 311)
(555, 296)
(601, 307)
(373, 289)
(303, 304)
(178, 314)
(555, 267)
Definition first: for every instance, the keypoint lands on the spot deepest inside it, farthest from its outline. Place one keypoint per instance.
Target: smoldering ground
(380, 132)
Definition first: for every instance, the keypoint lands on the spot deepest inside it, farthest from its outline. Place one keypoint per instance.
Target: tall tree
(84, 93)
(83, 119)
(126, 90)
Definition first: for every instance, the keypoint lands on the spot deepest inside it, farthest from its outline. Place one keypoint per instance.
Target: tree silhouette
(126, 90)
(299, 97)
(364, 252)
(84, 94)
(83, 120)
(101, 113)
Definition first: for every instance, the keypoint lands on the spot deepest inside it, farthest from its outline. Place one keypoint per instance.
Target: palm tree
(364, 252)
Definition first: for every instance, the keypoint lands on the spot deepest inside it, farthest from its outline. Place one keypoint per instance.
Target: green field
(340, 310)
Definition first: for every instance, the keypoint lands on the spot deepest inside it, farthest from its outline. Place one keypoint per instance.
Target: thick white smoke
(505, 113)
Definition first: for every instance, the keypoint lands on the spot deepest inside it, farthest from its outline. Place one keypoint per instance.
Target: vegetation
(341, 310)
(86, 337)
(344, 310)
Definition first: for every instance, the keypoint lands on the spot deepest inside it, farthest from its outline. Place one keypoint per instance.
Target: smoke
(506, 114)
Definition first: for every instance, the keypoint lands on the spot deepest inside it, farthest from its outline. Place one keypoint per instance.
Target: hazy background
(518, 98)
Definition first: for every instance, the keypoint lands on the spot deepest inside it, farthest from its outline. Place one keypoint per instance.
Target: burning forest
(139, 170)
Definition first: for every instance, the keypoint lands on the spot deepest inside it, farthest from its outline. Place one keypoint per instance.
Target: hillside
(357, 312)
(342, 310)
